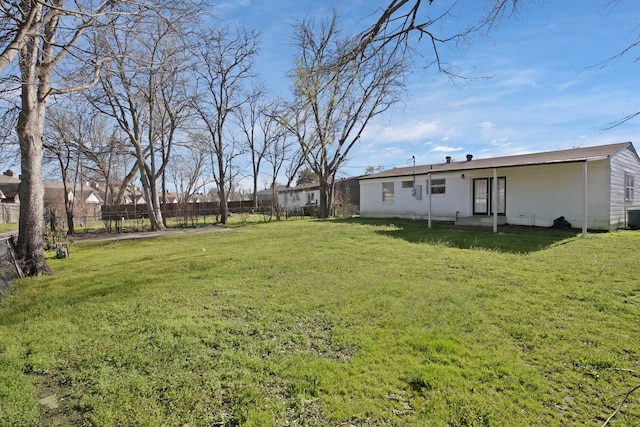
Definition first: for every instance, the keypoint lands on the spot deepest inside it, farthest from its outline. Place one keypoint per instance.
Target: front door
(483, 196)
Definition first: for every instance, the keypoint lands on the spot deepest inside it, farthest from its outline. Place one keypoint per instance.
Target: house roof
(9, 186)
(302, 187)
(316, 185)
(55, 190)
(549, 157)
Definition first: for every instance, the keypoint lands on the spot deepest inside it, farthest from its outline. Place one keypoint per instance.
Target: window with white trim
(628, 187)
(438, 186)
(387, 192)
(407, 184)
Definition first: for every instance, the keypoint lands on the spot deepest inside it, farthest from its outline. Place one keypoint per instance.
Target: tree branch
(606, 423)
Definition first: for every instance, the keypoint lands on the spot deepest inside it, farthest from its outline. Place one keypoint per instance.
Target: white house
(298, 197)
(592, 187)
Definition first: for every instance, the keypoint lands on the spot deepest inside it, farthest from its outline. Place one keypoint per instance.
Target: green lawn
(329, 323)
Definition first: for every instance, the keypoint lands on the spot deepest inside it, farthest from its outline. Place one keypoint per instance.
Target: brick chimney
(448, 158)
(9, 172)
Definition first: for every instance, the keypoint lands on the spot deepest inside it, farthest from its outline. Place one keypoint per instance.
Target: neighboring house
(9, 184)
(346, 196)
(592, 187)
(136, 197)
(298, 197)
(266, 195)
(9, 200)
(86, 199)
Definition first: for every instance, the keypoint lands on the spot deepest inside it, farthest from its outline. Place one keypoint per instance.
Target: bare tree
(45, 37)
(403, 24)
(108, 160)
(227, 60)
(251, 120)
(79, 140)
(185, 171)
(338, 103)
(278, 148)
(66, 129)
(293, 121)
(143, 90)
(51, 41)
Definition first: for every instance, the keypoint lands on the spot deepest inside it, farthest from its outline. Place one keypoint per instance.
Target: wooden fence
(179, 210)
(9, 212)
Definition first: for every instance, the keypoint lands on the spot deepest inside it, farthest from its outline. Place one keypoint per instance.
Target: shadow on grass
(510, 239)
(22, 309)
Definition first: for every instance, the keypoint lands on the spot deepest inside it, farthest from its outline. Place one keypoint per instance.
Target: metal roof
(549, 157)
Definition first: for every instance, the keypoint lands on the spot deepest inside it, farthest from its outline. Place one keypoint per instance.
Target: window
(628, 187)
(387, 191)
(438, 186)
(407, 184)
(310, 198)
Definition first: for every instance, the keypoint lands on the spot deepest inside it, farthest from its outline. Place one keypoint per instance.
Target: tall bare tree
(278, 149)
(143, 90)
(67, 128)
(337, 102)
(226, 68)
(249, 118)
(51, 42)
(46, 38)
(107, 160)
(80, 141)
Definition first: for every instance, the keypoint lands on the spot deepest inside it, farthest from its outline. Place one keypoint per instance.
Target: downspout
(586, 199)
(495, 200)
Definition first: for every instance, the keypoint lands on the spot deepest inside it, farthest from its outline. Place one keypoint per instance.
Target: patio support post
(429, 190)
(495, 200)
(586, 199)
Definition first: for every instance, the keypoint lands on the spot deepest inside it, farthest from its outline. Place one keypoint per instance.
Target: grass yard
(329, 323)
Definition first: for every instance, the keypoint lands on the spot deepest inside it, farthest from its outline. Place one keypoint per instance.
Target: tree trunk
(255, 191)
(224, 206)
(30, 246)
(222, 192)
(325, 201)
(150, 195)
(68, 202)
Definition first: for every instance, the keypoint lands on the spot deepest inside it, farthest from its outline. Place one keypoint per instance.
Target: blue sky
(545, 88)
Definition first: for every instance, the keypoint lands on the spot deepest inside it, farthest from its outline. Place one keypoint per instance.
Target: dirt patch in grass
(57, 406)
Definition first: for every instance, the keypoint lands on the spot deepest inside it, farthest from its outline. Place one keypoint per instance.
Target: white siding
(535, 195)
(405, 205)
(625, 161)
(297, 199)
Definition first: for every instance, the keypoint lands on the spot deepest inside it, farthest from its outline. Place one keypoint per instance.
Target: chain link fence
(9, 268)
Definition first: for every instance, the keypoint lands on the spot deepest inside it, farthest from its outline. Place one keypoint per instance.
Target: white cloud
(402, 132)
(445, 149)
